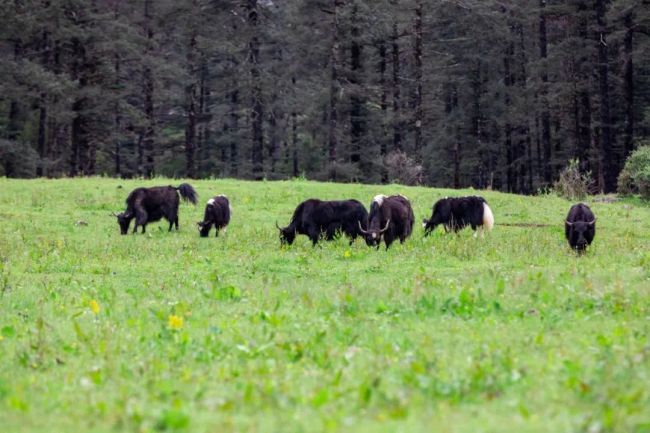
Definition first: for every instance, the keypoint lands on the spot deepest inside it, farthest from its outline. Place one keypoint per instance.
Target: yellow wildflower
(94, 306)
(347, 254)
(175, 322)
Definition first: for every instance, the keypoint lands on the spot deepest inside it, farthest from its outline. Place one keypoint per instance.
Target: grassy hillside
(172, 332)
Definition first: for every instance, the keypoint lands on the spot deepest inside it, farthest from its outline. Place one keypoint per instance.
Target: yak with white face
(390, 218)
(580, 227)
(151, 204)
(217, 214)
(456, 213)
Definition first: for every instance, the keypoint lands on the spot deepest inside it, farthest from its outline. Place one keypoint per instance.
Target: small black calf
(217, 213)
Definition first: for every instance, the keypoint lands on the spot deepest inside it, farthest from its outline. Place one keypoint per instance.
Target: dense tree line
(455, 93)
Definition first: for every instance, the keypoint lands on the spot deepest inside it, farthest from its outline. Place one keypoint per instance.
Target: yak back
(580, 212)
(152, 199)
(319, 213)
(217, 211)
(458, 212)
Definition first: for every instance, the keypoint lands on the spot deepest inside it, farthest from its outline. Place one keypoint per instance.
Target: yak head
(428, 226)
(373, 235)
(204, 228)
(287, 234)
(441, 214)
(124, 220)
(580, 234)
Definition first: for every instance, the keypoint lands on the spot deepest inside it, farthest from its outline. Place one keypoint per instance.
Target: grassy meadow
(171, 332)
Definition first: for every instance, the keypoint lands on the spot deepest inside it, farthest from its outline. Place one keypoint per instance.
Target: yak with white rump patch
(390, 218)
(316, 218)
(151, 204)
(456, 213)
(580, 227)
(217, 214)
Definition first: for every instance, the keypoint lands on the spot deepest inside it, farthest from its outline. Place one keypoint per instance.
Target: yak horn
(113, 214)
(592, 222)
(276, 224)
(361, 228)
(568, 223)
(385, 228)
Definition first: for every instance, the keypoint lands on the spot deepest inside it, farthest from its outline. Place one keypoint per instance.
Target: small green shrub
(635, 176)
(572, 184)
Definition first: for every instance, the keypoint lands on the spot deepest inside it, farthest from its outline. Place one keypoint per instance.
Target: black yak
(217, 214)
(151, 204)
(390, 218)
(316, 218)
(580, 227)
(456, 213)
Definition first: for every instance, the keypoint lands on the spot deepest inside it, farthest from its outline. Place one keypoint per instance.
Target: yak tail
(488, 218)
(188, 193)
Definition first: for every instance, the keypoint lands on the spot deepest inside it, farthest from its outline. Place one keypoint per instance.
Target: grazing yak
(455, 213)
(151, 204)
(580, 227)
(217, 213)
(391, 218)
(315, 218)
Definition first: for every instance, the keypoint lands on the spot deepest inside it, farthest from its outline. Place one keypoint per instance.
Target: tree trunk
(204, 113)
(628, 80)
(294, 143)
(334, 85)
(234, 128)
(383, 144)
(545, 116)
(607, 157)
(356, 103)
(257, 107)
(117, 117)
(146, 148)
(397, 121)
(190, 111)
(41, 141)
(418, 76)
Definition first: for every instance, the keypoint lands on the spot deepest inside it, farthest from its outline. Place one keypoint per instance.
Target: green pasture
(171, 332)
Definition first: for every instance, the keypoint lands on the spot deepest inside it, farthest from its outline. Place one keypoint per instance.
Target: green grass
(448, 334)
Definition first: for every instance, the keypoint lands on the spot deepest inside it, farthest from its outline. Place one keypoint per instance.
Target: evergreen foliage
(477, 92)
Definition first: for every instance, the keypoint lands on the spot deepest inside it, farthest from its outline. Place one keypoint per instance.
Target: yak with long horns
(390, 218)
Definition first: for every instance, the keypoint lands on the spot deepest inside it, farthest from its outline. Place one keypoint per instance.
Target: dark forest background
(481, 93)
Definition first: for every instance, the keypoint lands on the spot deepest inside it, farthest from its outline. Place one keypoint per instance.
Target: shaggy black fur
(580, 227)
(151, 204)
(316, 218)
(390, 218)
(456, 213)
(217, 213)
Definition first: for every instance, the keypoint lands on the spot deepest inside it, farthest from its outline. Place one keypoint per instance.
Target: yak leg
(313, 234)
(140, 218)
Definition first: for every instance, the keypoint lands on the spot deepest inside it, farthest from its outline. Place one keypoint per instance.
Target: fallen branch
(525, 225)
